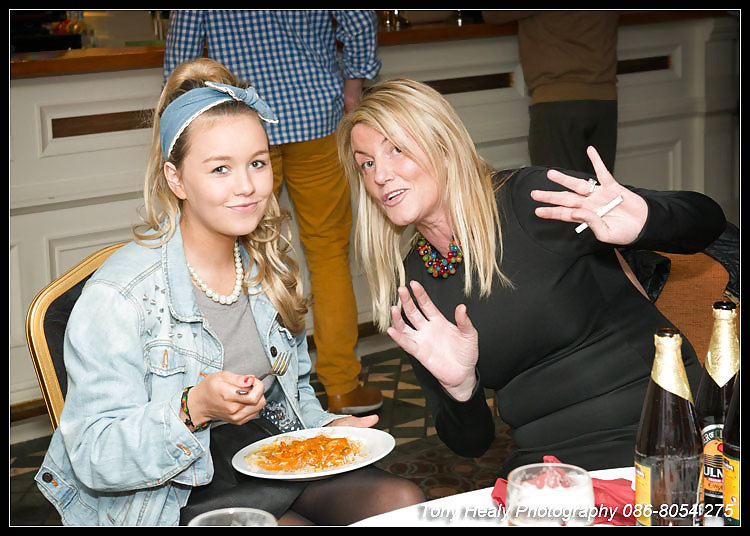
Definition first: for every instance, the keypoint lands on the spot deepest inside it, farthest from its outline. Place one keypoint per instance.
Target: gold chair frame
(36, 337)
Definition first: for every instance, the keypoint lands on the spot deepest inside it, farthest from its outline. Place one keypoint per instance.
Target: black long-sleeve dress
(569, 348)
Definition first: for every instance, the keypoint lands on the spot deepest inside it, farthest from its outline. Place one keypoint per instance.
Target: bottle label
(713, 482)
(732, 489)
(642, 494)
(722, 361)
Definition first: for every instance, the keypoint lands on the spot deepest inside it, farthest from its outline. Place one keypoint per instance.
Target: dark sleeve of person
(679, 221)
(467, 428)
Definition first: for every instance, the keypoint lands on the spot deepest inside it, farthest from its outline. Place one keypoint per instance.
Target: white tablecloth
(464, 509)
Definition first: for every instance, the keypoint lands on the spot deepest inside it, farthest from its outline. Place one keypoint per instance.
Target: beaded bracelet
(184, 408)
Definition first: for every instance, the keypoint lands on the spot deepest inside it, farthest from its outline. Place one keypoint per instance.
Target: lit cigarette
(601, 212)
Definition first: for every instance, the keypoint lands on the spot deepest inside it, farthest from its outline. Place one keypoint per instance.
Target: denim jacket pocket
(278, 326)
(167, 367)
(164, 359)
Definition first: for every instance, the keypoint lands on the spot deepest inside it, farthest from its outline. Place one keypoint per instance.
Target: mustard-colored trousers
(321, 197)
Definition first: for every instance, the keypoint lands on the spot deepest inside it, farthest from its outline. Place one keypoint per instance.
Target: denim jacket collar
(179, 284)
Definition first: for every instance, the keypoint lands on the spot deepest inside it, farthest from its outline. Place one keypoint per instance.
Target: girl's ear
(173, 180)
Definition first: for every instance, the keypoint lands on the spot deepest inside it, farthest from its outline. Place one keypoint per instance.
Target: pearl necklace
(215, 296)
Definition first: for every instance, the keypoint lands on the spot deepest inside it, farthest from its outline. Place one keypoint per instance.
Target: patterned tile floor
(419, 454)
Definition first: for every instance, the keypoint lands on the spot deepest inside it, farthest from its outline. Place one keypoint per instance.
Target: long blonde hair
(408, 112)
(269, 244)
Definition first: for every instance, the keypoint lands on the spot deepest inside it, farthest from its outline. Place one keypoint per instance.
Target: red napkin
(610, 497)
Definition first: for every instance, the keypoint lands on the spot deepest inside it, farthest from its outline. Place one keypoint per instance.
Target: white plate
(377, 445)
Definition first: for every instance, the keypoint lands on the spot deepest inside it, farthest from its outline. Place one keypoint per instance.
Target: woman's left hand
(579, 203)
(368, 421)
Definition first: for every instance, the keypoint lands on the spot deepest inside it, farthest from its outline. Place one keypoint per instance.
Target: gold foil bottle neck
(723, 357)
(668, 370)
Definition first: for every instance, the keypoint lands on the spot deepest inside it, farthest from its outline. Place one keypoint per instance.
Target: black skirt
(230, 488)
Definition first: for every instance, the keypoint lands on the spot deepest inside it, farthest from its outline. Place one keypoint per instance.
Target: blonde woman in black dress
(525, 305)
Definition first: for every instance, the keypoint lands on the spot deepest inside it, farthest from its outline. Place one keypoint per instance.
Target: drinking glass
(555, 494)
(234, 517)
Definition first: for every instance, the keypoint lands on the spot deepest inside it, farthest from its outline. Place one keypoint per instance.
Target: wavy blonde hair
(268, 245)
(405, 111)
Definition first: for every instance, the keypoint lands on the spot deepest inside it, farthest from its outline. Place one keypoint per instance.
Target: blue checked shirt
(288, 56)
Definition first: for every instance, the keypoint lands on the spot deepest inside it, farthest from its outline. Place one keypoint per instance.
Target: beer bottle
(668, 448)
(711, 403)
(732, 458)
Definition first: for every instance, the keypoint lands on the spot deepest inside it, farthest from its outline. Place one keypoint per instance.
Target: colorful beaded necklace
(435, 263)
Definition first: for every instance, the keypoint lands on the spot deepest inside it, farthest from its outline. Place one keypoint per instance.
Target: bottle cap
(723, 356)
(727, 305)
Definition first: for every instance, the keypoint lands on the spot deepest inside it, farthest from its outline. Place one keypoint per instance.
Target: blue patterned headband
(188, 106)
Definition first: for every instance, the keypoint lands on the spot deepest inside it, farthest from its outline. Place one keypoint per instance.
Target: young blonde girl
(166, 343)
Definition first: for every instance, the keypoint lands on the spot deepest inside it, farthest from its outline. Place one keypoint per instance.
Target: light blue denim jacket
(135, 340)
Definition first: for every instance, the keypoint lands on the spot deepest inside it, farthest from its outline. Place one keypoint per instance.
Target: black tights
(350, 497)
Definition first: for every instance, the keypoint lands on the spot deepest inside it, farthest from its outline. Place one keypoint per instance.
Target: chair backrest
(45, 328)
(695, 282)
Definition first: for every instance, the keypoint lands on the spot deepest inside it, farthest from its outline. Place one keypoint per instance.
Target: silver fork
(279, 368)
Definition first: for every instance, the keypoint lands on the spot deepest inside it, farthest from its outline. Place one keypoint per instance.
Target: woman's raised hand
(581, 201)
(449, 351)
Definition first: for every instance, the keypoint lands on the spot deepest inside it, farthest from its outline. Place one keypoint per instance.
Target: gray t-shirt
(234, 325)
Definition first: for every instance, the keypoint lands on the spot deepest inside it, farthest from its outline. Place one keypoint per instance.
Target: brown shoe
(361, 400)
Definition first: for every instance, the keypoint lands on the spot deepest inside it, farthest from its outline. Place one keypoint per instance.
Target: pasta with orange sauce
(310, 455)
